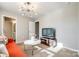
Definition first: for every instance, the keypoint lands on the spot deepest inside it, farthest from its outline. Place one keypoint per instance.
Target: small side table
(32, 43)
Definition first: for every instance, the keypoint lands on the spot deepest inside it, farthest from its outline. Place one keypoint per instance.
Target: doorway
(9, 27)
(37, 29)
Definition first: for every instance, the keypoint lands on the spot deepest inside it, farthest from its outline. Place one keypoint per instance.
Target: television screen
(48, 32)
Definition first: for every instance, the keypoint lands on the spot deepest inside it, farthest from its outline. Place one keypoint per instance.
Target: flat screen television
(48, 32)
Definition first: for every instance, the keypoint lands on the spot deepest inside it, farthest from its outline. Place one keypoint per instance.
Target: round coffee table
(32, 43)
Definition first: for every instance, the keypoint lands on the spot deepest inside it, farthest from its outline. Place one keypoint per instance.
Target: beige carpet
(45, 51)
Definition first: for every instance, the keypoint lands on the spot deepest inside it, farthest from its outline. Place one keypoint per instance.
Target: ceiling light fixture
(28, 7)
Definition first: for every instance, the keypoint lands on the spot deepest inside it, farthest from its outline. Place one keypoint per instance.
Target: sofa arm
(3, 50)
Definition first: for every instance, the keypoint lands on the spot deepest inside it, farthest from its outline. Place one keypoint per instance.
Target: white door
(31, 28)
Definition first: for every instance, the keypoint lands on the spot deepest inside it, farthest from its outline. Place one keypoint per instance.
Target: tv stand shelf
(48, 41)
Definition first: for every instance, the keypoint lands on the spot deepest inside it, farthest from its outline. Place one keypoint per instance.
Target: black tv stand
(48, 40)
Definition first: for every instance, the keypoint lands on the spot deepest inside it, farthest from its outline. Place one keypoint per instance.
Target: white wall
(21, 25)
(22, 29)
(78, 27)
(0, 23)
(69, 25)
(64, 20)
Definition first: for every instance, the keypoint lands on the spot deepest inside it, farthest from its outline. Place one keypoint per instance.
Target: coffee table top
(32, 42)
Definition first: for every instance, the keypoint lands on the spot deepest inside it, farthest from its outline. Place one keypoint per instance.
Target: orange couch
(14, 50)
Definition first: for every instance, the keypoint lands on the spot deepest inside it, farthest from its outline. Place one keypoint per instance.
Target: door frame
(38, 28)
(38, 20)
(2, 24)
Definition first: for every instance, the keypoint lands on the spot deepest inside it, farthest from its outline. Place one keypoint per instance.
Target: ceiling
(42, 7)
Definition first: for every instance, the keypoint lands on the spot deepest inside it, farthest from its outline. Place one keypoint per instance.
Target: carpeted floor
(45, 51)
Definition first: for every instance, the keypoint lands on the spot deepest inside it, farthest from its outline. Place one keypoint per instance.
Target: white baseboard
(72, 49)
(78, 52)
(19, 42)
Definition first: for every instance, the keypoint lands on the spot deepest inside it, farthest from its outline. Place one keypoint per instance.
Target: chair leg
(24, 47)
(32, 50)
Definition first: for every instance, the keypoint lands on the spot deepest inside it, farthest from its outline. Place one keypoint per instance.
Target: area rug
(46, 51)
